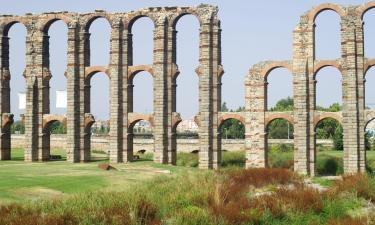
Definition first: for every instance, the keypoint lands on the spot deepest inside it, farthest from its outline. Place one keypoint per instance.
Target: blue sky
(253, 31)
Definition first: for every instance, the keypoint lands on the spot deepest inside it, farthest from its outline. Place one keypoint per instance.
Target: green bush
(233, 159)
(187, 159)
(329, 165)
(280, 156)
(338, 138)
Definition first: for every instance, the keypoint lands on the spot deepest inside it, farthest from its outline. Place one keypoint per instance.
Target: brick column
(160, 66)
(304, 95)
(255, 137)
(73, 97)
(205, 95)
(353, 137)
(127, 92)
(171, 85)
(209, 156)
(6, 118)
(84, 93)
(217, 72)
(37, 97)
(360, 61)
(116, 101)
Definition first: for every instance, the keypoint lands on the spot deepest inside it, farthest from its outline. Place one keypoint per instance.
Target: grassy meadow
(143, 192)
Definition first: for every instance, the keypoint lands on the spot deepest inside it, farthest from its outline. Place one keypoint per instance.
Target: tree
(224, 107)
(285, 104)
(232, 129)
(17, 127)
(278, 129)
(58, 128)
(331, 128)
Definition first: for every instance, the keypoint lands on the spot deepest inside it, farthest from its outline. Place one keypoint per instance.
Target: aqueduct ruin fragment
(353, 66)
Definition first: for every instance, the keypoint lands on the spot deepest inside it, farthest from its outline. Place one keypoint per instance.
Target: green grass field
(20, 181)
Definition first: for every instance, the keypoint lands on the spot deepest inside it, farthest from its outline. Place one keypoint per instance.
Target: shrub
(301, 199)
(187, 159)
(281, 159)
(236, 159)
(329, 165)
(358, 184)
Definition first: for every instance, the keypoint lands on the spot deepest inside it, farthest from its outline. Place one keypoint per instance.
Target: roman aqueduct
(353, 66)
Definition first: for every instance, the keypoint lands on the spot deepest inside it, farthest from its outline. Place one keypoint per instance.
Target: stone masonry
(121, 72)
(164, 119)
(305, 117)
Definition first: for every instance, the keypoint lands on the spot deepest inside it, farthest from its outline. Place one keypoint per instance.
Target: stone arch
(8, 23)
(369, 116)
(270, 117)
(7, 120)
(89, 121)
(226, 116)
(320, 64)
(364, 8)
(89, 19)
(51, 118)
(174, 20)
(51, 18)
(272, 65)
(134, 70)
(90, 71)
(368, 64)
(137, 15)
(320, 116)
(176, 120)
(136, 117)
(312, 14)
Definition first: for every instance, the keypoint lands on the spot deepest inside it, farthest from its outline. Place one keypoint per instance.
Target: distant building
(142, 127)
(187, 126)
(100, 127)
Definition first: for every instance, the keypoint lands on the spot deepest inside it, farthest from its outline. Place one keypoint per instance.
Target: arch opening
(369, 90)
(279, 147)
(327, 35)
(329, 147)
(99, 101)
(369, 33)
(370, 145)
(57, 52)
(99, 41)
(279, 90)
(186, 56)
(142, 41)
(187, 143)
(16, 63)
(142, 93)
(142, 144)
(232, 134)
(56, 132)
(328, 89)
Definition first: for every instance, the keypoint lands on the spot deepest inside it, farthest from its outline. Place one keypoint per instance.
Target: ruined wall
(354, 117)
